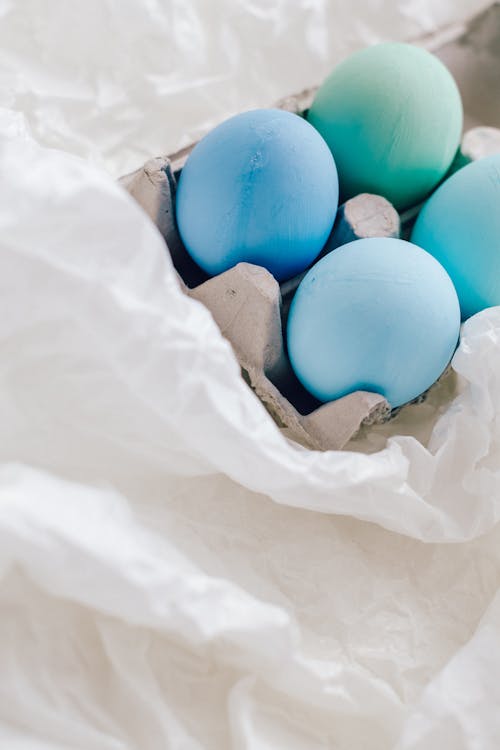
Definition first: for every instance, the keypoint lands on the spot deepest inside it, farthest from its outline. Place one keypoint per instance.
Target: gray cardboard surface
(246, 304)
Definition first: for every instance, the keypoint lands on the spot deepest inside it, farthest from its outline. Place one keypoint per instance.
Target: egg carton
(251, 308)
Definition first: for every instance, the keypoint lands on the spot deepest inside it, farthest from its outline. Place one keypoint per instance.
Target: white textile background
(173, 572)
(118, 81)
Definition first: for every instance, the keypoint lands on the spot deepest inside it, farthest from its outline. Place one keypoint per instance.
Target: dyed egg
(377, 315)
(460, 226)
(262, 188)
(392, 116)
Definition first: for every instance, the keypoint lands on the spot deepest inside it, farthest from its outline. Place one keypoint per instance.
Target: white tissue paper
(119, 81)
(175, 573)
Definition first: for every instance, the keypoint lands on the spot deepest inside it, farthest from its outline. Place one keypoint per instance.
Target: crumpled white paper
(165, 579)
(119, 81)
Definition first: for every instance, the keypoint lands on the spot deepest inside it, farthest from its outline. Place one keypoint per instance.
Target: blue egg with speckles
(262, 187)
(378, 315)
(460, 226)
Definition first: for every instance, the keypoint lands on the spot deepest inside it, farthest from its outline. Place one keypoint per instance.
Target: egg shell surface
(377, 315)
(262, 187)
(392, 116)
(460, 226)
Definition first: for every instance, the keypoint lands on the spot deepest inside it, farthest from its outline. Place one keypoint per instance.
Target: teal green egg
(392, 117)
(460, 226)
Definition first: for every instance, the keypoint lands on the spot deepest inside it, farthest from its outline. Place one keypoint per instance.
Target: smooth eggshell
(377, 315)
(460, 226)
(262, 188)
(392, 116)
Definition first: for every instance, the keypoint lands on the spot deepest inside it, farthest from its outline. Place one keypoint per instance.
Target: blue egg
(377, 315)
(262, 188)
(460, 226)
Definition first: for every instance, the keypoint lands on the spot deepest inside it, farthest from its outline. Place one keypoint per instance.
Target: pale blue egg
(262, 188)
(460, 226)
(378, 315)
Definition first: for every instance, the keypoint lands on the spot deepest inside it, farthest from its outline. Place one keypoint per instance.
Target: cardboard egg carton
(248, 304)
(250, 309)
